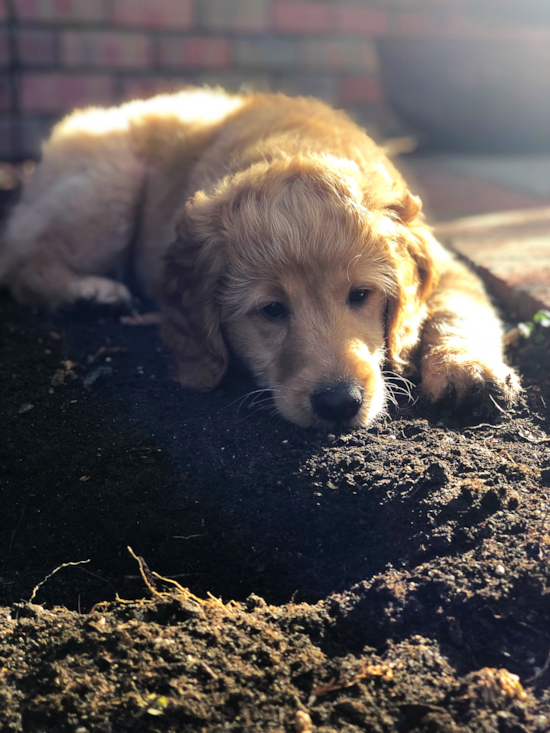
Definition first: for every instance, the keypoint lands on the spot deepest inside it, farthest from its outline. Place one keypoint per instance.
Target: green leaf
(526, 329)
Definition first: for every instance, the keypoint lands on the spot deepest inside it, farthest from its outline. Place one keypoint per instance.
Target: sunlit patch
(381, 168)
(205, 106)
(360, 351)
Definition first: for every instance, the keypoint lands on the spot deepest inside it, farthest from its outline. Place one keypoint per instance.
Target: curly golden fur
(270, 224)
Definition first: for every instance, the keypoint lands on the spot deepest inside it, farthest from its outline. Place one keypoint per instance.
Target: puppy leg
(461, 349)
(49, 284)
(74, 225)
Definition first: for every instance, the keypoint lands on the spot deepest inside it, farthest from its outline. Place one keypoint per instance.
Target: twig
(17, 527)
(528, 435)
(496, 404)
(484, 425)
(541, 671)
(145, 572)
(383, 671)
(142, 319)
(148, 575)
(185, 591)
(64, 565)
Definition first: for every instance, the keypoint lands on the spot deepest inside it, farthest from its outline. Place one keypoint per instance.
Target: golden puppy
(272, 224)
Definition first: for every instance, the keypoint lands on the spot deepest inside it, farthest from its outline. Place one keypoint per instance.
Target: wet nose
(337, 402)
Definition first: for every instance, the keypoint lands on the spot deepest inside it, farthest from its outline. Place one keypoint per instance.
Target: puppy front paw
(466, 380)
(99, 291)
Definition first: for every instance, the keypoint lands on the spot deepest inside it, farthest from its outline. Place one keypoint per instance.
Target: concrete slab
(525, 174)
(493, 211)
(457, 186)
(511, 252)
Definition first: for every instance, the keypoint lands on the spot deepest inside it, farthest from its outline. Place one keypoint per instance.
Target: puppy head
(299, 263)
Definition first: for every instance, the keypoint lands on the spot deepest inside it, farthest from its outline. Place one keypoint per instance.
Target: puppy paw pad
(466, 380)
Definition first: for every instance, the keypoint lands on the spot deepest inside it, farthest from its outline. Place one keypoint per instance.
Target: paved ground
(511, 252)
(455, 186)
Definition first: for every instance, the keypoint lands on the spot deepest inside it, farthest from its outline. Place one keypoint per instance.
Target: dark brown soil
(401, 566)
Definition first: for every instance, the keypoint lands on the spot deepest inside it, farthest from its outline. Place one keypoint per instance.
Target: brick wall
(58, 54)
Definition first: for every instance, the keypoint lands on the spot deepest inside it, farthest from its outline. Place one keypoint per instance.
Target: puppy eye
(273, 311)
(358, 296)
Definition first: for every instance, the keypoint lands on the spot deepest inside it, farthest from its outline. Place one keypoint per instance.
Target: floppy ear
(417, 273)
(191, 326)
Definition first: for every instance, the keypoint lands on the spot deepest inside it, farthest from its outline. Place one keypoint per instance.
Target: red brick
(339, 54)
(358, 90)
(364, 21)
(4, 48)
(6, 138)
(196, 52)
(459, 26)
(233, 15)
(34, 47)
(148, 86)
(272, 54)
(322, 86)
(174, 14)
(60, 92)
(235, 80)
(106, 49)
(306, 17)
(5, 92)
(37, 47)
(61, 10)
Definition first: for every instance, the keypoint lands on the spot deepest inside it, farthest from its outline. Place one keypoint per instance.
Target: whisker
(401, 386)
(243, 397)
(260, 399)
(410, 398)
(397, 388)
(254, 396)
(394, 375)
(391, 397)
(394, 389)
(261, 404)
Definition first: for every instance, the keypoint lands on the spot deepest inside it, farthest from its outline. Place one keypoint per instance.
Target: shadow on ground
(399, 562)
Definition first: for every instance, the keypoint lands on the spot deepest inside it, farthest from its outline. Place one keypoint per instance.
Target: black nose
(337, 402)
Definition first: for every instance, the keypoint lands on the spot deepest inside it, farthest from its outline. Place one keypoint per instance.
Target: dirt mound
(391, 579)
